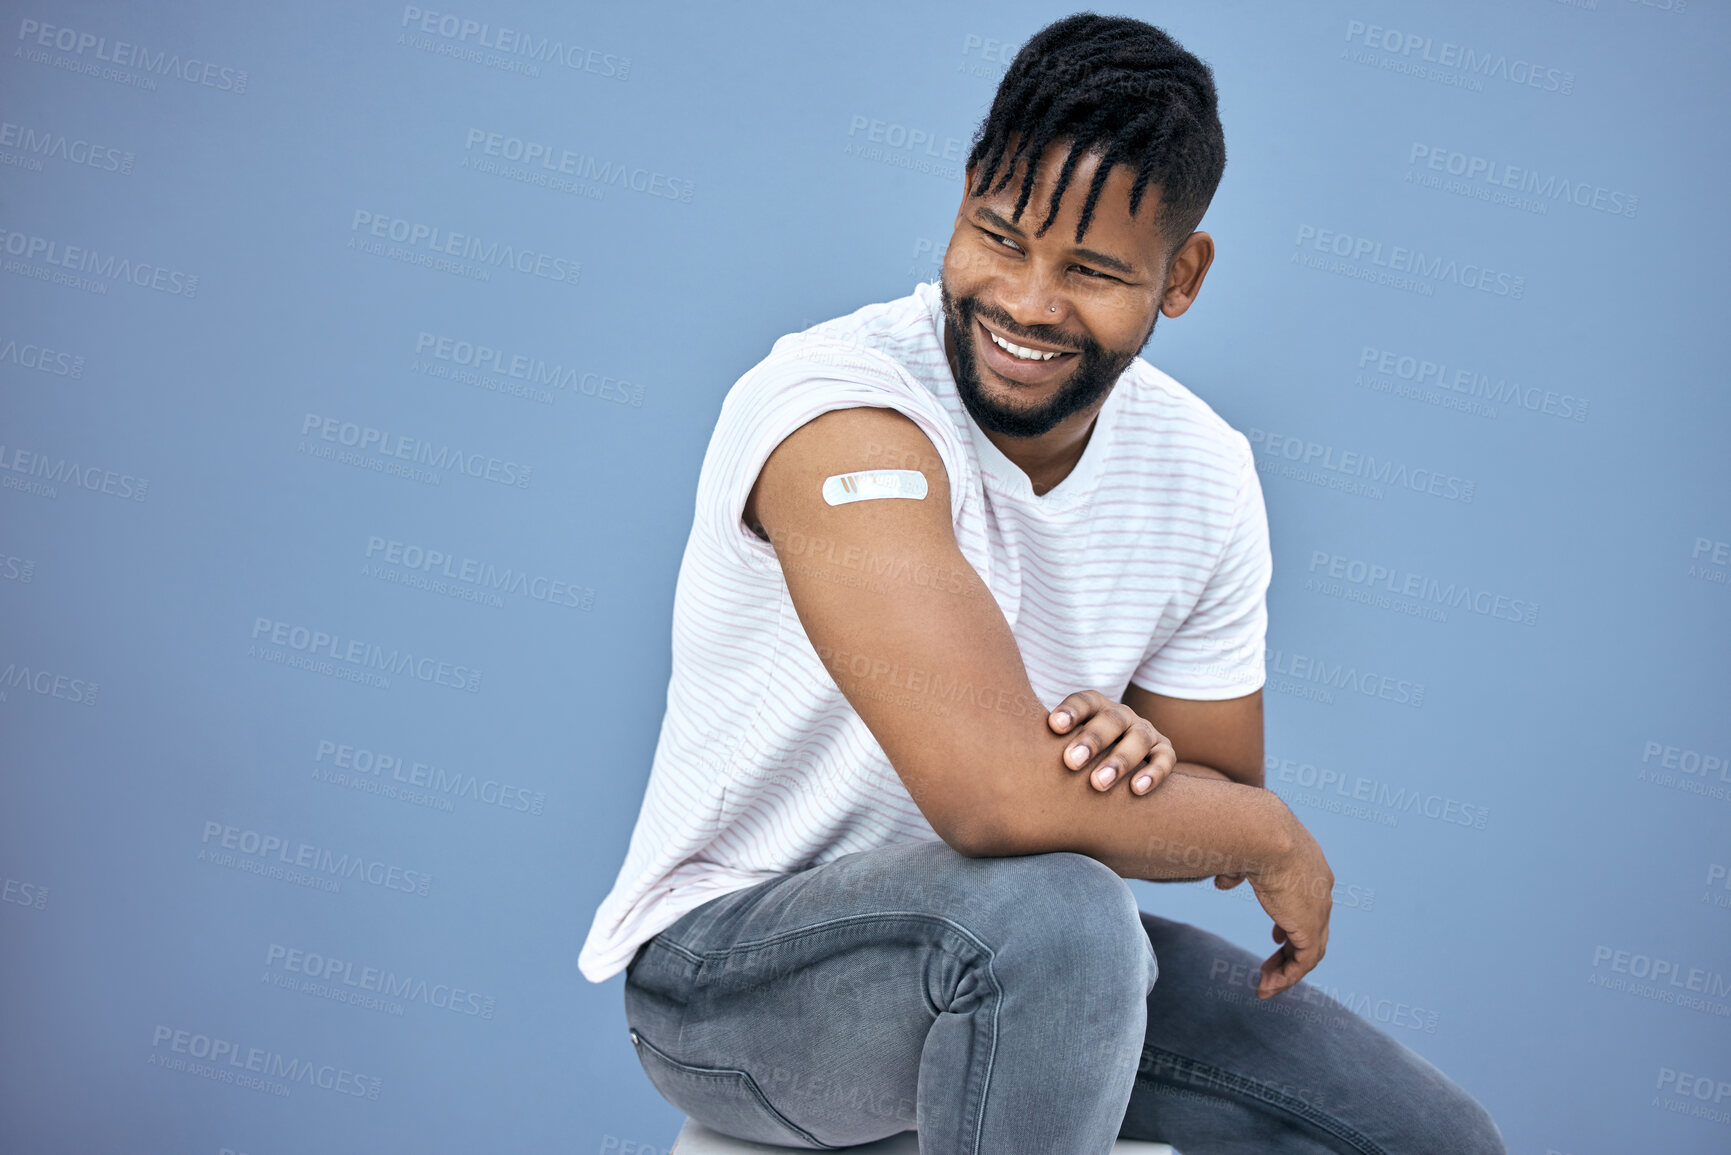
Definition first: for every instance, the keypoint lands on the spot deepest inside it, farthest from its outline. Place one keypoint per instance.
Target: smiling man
(968, 631)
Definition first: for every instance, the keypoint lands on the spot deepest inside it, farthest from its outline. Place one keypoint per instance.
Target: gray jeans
(1008, 1006)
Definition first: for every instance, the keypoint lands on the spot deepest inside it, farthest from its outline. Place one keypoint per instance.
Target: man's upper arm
(902, 620)
(1225, 734)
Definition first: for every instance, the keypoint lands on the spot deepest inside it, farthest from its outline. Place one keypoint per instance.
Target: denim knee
(1443, 1119)
(1474, 1131)
(1065, 914)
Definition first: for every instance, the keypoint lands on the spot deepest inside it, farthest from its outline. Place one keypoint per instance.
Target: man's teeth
(1024, 354)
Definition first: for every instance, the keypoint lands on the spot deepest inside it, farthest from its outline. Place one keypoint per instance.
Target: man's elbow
(980, 828)
(1005, 830)
(976, 838)
(1243, 773)
(969, 812)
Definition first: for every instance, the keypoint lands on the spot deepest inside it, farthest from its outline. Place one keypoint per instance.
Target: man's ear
(1185, 272)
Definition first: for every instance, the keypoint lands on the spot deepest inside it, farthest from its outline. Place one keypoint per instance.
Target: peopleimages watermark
(1317, 678)
(17, 569)
(1337, 792)
(473, 40)
(258, 852)
(41, 358)
(1710, 561)
(986, 56)
(472, 574)
(932, 691)
(332, 759)
(1689, 770)
(447, 250)
(1687, 1093)
(380, 449)
(555, 161)
(1660, 980)
(360, 656)
(829, 560)
(1403, 267)
(614, 1145)
(1718, 877)
(1374, 579)
(257, 1068)
(1460, 388)
(1352, 466)
(1489, 179)
(928, 260)
(88, 269)
(1457, 65)
(1389, 1012)
(356, 983)
(528, 375)
(20, 893)
(47, 684)
(92, 51)
(36, 144)
(39, 473)
(903, 146)
(1669, 971)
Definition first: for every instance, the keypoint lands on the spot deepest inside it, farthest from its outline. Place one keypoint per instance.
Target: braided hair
(1117, 85)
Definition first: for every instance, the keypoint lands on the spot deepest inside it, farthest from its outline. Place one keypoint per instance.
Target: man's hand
(1118, 722)
(1297, 891)
(1123, 743)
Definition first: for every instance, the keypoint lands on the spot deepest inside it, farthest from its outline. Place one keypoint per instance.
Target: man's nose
(1033, 297)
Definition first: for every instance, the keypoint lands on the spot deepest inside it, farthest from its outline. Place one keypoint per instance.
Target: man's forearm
(1192, 825)
(1198, 770)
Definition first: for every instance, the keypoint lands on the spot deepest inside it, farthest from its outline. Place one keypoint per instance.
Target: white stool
(695, 1140)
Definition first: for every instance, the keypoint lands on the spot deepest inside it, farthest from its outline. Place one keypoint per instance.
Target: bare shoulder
(843, 441)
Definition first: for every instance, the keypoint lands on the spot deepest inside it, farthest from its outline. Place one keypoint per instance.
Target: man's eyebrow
(1002, 224)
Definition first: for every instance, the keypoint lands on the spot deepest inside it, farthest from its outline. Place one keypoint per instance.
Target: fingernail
(1142, 781)
(1061, 718)
(1078, 755)
(1105, 774)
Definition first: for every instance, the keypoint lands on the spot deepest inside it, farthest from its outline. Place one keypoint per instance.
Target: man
(877, 883)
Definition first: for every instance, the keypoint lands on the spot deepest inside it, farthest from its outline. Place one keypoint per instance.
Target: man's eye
(1000, 239)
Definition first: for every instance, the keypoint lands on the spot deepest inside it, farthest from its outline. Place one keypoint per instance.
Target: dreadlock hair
(1111, 83)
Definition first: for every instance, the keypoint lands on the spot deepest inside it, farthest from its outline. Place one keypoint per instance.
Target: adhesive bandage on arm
(870, 484)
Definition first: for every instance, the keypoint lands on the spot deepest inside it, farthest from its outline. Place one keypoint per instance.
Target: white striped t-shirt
(1149, 563)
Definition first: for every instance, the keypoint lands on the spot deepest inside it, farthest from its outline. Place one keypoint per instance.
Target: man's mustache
(970, 308)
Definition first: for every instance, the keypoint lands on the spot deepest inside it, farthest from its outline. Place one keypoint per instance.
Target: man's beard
(1097, 370)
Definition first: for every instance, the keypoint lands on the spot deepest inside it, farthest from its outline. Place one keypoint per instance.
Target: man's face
(1094, 303)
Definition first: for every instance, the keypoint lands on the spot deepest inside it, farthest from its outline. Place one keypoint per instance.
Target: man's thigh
(797, 1011)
